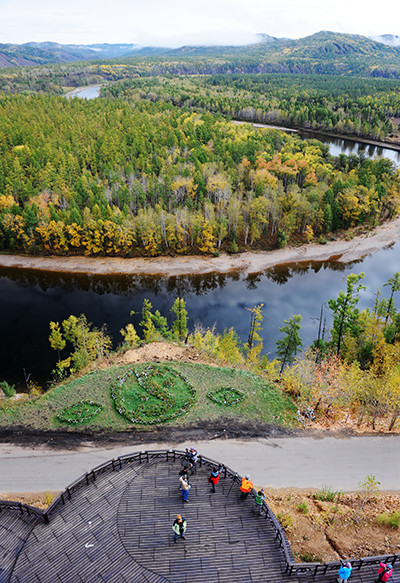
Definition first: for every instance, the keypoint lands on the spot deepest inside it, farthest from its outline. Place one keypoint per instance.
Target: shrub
(302, 507)
(391, 519)
(286, 520)
(310, 558)
(327, 494)
(7, 389)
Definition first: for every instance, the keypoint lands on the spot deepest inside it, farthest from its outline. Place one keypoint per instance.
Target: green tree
(179, 327)
(394, 283)
(88, 343)
(288, 346)
(130, 335)
(254, 343)
(155, 326)
(345, 313)
(56, 339)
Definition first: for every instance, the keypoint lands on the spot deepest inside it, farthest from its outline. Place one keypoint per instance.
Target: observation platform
(114, 525)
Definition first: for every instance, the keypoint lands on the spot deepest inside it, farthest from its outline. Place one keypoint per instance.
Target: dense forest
(107, 177)
(361, 107)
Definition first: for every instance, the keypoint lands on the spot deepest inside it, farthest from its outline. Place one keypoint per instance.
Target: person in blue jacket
(344, 572)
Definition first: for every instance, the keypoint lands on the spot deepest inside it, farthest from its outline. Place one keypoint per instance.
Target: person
(214, 477)
(192, 456)
(185, 473)
(179, 527)
(185, 486)
(245, 487)
(385, 571)
(344, 572)
(259, 500)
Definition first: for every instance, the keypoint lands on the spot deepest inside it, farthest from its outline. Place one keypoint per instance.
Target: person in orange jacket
(245, 487)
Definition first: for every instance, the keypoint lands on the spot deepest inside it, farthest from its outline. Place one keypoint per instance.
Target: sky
(172, 23)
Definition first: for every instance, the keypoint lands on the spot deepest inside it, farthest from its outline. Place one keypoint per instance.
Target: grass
(327, 494)
(263, 404)
(391, 519)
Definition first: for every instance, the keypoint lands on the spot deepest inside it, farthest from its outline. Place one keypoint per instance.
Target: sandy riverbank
(342, 251)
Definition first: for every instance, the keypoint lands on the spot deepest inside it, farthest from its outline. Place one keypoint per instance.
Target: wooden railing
(292, 568)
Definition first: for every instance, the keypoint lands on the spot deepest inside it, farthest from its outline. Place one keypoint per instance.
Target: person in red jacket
(385, 571)
(214, 477)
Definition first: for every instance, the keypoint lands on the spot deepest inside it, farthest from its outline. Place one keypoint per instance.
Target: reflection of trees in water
(179, 286)
(252, 280)
(119, 284)
(279, 275)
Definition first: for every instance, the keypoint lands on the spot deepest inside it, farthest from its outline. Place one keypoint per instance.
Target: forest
(127, 177)
(360, 107)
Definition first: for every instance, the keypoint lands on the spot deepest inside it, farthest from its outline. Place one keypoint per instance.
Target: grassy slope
(262, 404)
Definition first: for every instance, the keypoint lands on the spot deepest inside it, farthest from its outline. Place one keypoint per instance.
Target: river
(30, 300)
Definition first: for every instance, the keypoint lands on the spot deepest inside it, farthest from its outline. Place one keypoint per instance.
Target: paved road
(279, 462)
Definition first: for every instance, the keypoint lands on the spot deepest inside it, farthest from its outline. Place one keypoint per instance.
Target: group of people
(179, 526)
(384, 573)
(246, 486)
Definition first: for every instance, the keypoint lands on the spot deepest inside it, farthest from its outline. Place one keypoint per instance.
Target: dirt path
(250, 262)
(303, 462)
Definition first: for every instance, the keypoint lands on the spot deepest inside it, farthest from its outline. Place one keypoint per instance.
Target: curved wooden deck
(115, 527)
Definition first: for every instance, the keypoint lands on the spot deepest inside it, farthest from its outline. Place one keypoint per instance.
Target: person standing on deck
(185, 486)
(385, 571)
(214, 477)
(192, 456)
(245, 487)
(258, 501)
(344, 572)
(179, 527)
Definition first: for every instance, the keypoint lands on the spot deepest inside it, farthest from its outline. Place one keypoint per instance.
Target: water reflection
(339, 146)
(30, 300)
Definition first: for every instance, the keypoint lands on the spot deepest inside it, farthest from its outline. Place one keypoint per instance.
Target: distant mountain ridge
(324, 52)
(39, 53)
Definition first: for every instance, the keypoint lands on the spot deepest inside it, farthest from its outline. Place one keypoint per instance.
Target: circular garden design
(154, 395)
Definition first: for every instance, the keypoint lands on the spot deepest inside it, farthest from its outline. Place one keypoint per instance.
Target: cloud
(180, 22)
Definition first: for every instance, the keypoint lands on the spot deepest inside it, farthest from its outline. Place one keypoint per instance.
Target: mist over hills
(324, 52)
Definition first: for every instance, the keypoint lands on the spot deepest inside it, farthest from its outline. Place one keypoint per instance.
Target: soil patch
(327, 531)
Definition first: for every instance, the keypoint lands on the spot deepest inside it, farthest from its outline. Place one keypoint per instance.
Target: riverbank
(340, 251)
(311, 133)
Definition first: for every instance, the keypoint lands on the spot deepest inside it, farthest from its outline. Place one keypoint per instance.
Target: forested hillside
(108, 177)
(362, 107)
(321, 53)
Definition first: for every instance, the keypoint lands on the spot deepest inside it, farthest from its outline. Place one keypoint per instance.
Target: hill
(321, 53)
(167, 396)
(39, 53)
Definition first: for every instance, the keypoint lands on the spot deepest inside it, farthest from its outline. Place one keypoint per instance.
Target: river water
(30, 300)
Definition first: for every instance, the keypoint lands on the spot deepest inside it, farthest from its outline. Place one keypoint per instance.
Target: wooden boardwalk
(117, 529)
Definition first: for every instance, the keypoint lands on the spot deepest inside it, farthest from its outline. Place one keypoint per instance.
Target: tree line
(107, 177)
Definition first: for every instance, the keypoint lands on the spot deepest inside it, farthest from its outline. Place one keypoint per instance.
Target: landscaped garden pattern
(264, 404)
(226, 396)
(79, 412)
(154, 395)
